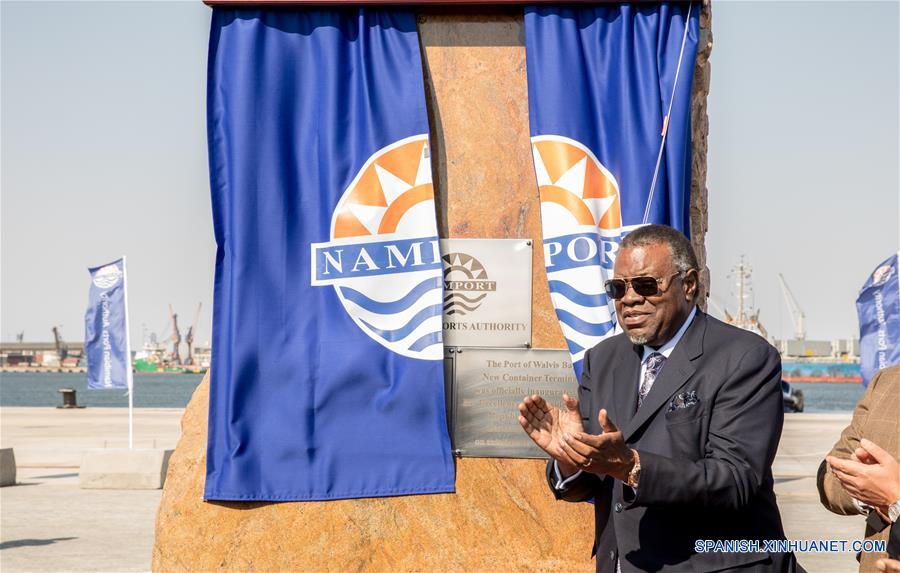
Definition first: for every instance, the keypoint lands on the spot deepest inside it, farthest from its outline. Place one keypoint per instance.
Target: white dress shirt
(666, 350)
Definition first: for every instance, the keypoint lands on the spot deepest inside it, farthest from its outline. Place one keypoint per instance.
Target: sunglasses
(643, 286)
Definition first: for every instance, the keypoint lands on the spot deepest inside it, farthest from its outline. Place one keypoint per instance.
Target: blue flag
(327, 365)
(106, 329)
(609, 91)
(878, 307)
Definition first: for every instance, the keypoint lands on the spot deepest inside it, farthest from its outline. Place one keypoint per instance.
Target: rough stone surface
(7, 467)
(502, 517)
(114, 468)
(484, 174)
(699, 142)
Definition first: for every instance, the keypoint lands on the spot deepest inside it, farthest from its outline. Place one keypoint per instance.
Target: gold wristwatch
(635, 474)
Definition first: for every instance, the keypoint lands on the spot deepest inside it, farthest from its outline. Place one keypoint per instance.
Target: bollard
(68, 397)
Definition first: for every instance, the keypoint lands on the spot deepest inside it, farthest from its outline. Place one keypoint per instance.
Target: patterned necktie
(655, 363)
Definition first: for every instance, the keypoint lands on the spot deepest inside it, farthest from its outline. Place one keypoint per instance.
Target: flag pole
(128, 370)
(665, 125)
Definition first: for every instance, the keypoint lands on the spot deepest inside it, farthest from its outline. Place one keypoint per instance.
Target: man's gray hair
(683, 256)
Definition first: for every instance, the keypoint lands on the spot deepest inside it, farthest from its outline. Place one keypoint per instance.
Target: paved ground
(48, 524)
(52, 437)
(805, 441)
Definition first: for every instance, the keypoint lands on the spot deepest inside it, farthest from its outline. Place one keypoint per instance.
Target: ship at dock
(802, 359)
(156, 356)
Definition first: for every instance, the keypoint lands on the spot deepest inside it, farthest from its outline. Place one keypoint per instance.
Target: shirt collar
(667, 348)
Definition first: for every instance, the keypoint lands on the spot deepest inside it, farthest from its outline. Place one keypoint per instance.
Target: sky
(803, 155)
(103, 153)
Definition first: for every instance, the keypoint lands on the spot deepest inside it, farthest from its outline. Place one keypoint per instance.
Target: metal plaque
(487, 386)
(487, 292)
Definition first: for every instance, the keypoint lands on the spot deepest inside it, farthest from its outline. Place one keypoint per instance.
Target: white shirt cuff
(560, 482)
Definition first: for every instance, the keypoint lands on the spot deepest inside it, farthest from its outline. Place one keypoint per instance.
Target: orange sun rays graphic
(387, 188)
(569, 175)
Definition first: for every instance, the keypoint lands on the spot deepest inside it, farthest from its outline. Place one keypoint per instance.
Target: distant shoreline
(69, 370)
(81, 370)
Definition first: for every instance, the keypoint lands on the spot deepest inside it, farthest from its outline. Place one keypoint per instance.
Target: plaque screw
(528, 243)
(451, 350)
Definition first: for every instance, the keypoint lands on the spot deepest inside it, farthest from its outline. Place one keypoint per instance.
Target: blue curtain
(326, 376)
(601, 82)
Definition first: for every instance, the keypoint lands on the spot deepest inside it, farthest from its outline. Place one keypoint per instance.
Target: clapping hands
(871, 475)
(547, 425)
(605, 453)
(560, 433)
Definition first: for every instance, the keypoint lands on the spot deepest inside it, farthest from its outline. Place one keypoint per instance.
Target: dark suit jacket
(706, 470)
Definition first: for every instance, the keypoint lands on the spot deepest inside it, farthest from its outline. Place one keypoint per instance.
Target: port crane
(189, 337)
(176, 337)
(62, 349)
(794, 307)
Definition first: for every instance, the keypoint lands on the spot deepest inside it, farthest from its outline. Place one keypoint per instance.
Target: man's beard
(635, 339)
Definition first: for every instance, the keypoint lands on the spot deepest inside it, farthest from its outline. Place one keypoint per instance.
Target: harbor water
(42, 389)
(175, 390)
(830, 396)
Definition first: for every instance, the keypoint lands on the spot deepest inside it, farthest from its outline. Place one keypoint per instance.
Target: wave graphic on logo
(464, 278)
(581, 217)
(383, 259)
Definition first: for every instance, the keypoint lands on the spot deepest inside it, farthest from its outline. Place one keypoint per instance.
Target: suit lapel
(625, 375)
(677, 370)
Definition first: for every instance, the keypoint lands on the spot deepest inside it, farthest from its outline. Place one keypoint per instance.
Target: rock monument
(502, 518)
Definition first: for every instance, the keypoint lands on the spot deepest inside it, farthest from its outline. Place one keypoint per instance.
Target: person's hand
(604, 454)
(862, 456)
(889, 565)
(872, 475)
(546, 425)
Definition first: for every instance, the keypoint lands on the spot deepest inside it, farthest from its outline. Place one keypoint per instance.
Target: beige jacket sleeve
(833, 496)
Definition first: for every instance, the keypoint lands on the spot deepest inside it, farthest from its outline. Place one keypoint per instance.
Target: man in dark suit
(675, 427)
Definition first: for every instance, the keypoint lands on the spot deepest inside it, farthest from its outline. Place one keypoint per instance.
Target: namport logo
(466, 284)
(383, 257)
(107, 277)
(581, 215)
